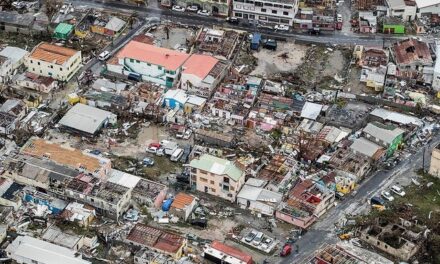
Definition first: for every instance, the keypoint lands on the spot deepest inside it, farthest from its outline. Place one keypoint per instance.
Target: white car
(192, 8)
(104, 55)
(387, 196)
(178, 8)
(281, 27)
(398, 190)
(204, 12)
(152, 149)
(187, 134)
(339, 18)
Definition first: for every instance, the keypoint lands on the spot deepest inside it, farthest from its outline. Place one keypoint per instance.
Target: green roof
(63, 28)
(217, 166)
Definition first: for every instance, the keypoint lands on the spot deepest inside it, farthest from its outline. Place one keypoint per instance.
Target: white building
(400, 8)
(436, 77)
(149, 63)
(10, 59)
(53, 61)
(254, 197)
(428, 7)
(270, 11)
(29, 250)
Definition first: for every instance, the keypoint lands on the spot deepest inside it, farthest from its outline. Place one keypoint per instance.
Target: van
(104, 55)
(177, 154)
(258, 239)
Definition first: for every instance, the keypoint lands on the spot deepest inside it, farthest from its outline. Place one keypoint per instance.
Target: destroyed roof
(231, 251)
(52, 53)
(115, 24)
(412, 50)
(253, 193)
(386, 133)
(155, 238)
(13, 53)
(199, 65)
(395, 117)
(182, 200)
(85, 118)
(54, 235)
(106, 85)
(170, 59)
(43, 252)
(366, 147)
(67, 156)
(217, 166)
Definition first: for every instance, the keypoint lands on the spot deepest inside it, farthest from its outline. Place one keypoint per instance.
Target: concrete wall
(434, 168)
(59, 72)
(299, 222)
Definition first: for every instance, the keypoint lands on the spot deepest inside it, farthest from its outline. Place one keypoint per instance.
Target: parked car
(398, 190)
(232, 20)
(96, 152)
(265, 244)
(249, 237)
(387, 196)
(286, 250)
(281, 27)
(149, 162)
(187, 134)
(178, 8)
(258, 239)
(104, 55)
(204, 12)
(203, 223)
(339, 18)
(192, 8)
(153, 147)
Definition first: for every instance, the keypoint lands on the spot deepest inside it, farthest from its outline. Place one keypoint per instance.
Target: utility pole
(423, 159)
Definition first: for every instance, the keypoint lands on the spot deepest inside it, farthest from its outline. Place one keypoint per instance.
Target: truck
(177, 154)
(255, 42)
(169, 147)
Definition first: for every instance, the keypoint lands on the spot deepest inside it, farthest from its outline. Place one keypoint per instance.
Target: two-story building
(216, 176)
(387, 136)
(266, 11)
(405, 9)
(149, 63)
(10, 59)
(50, 60)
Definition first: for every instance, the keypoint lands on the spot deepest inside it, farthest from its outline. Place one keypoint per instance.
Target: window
(284, 21)
(172, 72)
(41, 71)
(231, 188)
(263, 10)
(251, 16)
(226, 179)
(32, 61)
(50, 74)
(138, 61)
(203, 179)
(268, 4)
(258, 4)
(33, 69)
(211, 182)
(61, 69)
(262, 18)
(285, 13)
(202, 172)
(159, 67)
(274, 11)
(131, 60)
(225, 188)
(238, 14)
(213, 190)
(38, 63)
(51, 66)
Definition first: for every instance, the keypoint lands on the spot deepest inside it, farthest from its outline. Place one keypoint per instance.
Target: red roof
(199, 65)
(232, 252)
(169, 59)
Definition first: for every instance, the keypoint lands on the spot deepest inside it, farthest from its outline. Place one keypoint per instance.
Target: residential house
(350, 168)
(66, 156)
(114, 27)
(427, 7)
(434, 167)
(17, 22)
(373, 58)
(274, 11)
(216, 176)
(35, 82)
(405, 9)
(63, 31)
(183, 205)
(217, 8)
(28, 250)
(10, 59)
(157, 240)
(79, 213)
(218, 252)
(149, 63)
(411, 54)
(175, 99)
(255, 197)
(53, 61)
(388, 136)
(201, 75)
(368, 148)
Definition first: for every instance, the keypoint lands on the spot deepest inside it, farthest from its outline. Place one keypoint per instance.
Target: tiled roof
(52, 53)
(167, 58)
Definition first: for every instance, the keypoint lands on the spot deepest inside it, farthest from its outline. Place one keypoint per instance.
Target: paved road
(323, 232)
(192, 18)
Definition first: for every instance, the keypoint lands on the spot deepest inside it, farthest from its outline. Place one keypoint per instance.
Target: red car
(286, 251)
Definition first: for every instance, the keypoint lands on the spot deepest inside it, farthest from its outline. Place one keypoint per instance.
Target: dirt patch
(286, 58)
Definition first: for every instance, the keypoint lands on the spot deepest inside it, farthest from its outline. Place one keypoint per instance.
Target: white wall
(59, 72)
(264, 12)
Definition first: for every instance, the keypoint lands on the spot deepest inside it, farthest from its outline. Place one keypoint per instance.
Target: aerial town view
(220, 131)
